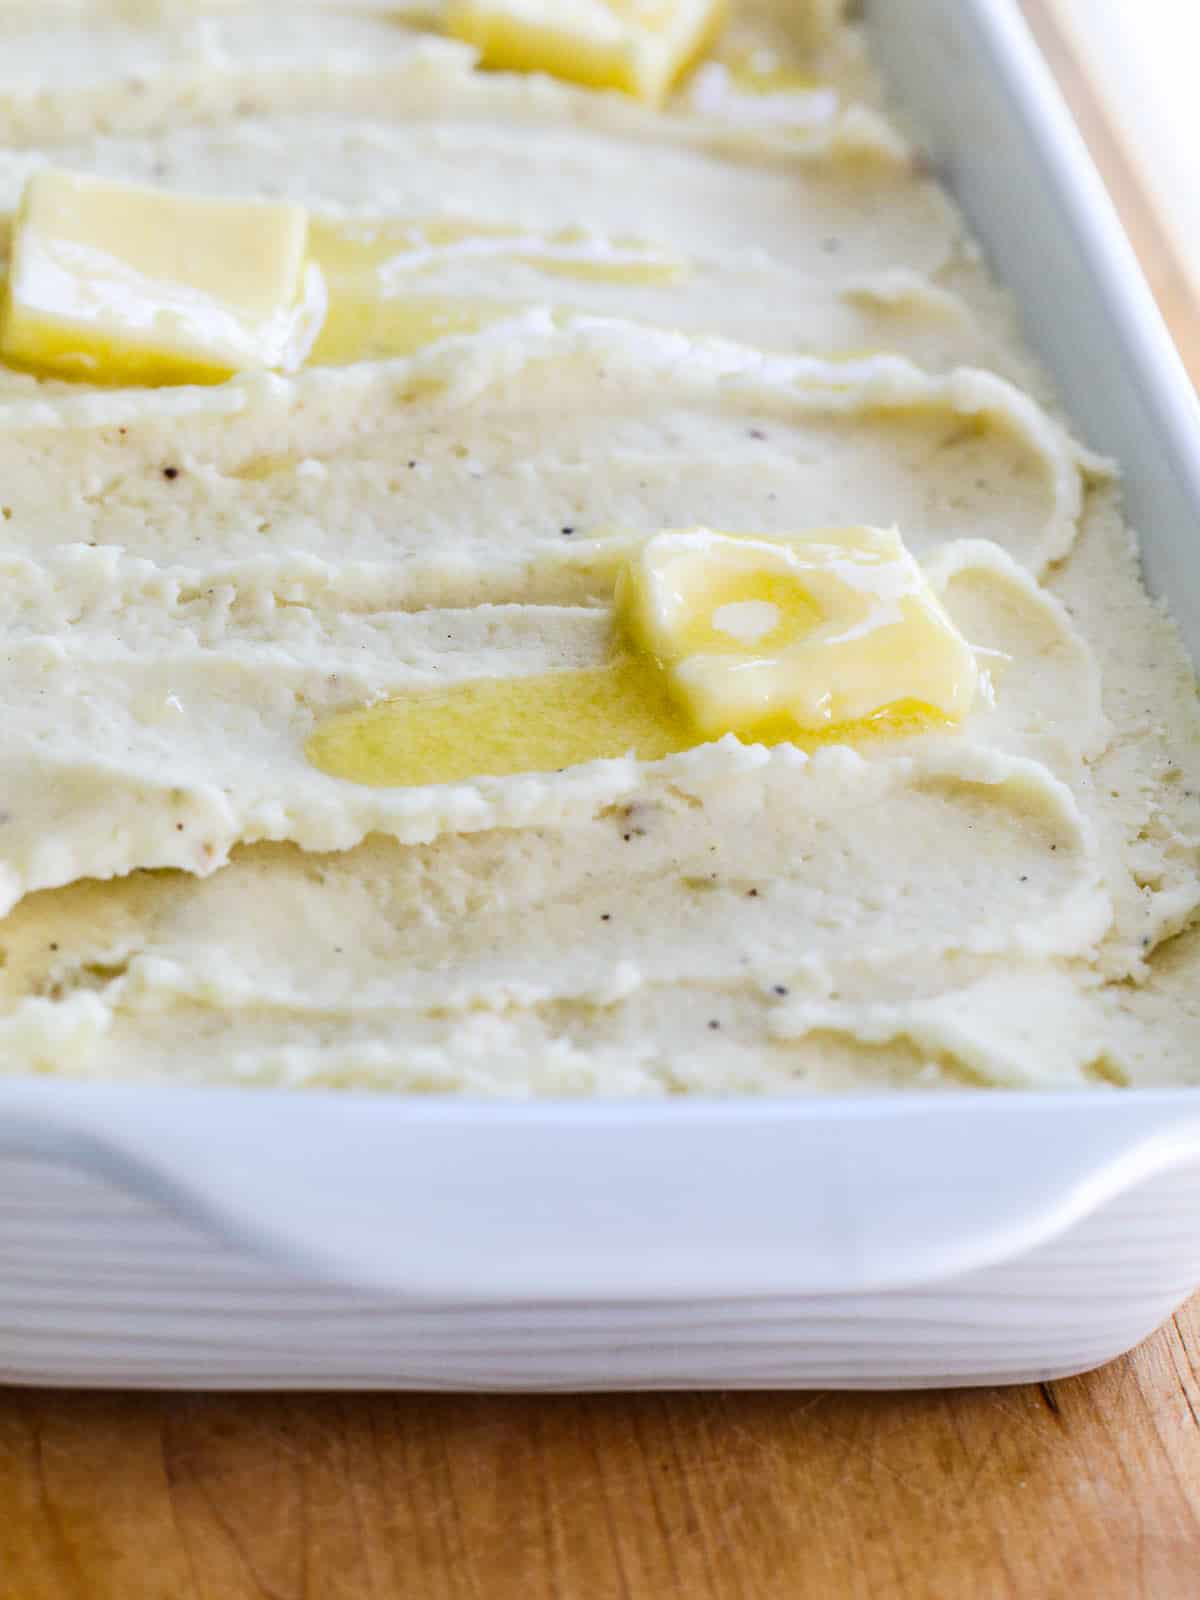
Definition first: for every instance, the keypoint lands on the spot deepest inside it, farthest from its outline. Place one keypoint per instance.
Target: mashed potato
(749, 310)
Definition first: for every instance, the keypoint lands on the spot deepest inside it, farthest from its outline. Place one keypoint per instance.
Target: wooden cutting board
(1084, 1490)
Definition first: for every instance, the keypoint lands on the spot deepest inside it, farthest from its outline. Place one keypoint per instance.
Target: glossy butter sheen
(77, 306)
(385, 280)
(637, 46)
(832, 636)
(818, 632)
(499, 727)
(120, 283)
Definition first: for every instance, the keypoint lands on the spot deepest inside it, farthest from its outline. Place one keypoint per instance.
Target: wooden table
(1086, 1490)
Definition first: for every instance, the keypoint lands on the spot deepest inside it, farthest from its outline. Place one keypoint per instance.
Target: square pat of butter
(118, 283)
(814, 632)
(638, 46)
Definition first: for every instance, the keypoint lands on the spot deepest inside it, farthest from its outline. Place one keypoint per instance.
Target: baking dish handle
(461, 1201)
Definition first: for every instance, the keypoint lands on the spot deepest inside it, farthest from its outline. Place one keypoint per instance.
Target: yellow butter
(817, 632)
(384, 277)
(836, 636)
(638, 46)
(385, 255)
(754, 89)
(497, 727)
(119, 283)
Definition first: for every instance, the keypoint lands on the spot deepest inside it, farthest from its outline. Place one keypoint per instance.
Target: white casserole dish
(186, 1237)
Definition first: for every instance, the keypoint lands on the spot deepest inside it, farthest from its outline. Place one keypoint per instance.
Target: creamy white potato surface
(559, 322)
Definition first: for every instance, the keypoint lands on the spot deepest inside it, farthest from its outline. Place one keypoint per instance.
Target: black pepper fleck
(756, 433)
(752, 894)
(780, 988)
(714, 1024)
(567, 532)
(171, 473)
(54, 947)
(606, 916)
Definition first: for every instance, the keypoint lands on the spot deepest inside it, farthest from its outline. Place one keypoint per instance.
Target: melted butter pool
(384, 283)
(503, 727)
(498, 727)
(383, 278)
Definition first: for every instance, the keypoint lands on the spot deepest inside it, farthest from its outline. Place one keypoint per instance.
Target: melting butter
(368, 327)
(504, 727)
(757, 89)
(831, 637)
(765, 72)
(119, 283)
(499, 727)
(381, 289)
(639, 47)
(382, 278)
(388, 253)
(819, 631)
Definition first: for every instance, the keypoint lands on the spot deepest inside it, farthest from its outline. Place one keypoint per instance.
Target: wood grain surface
(1084, 1490)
